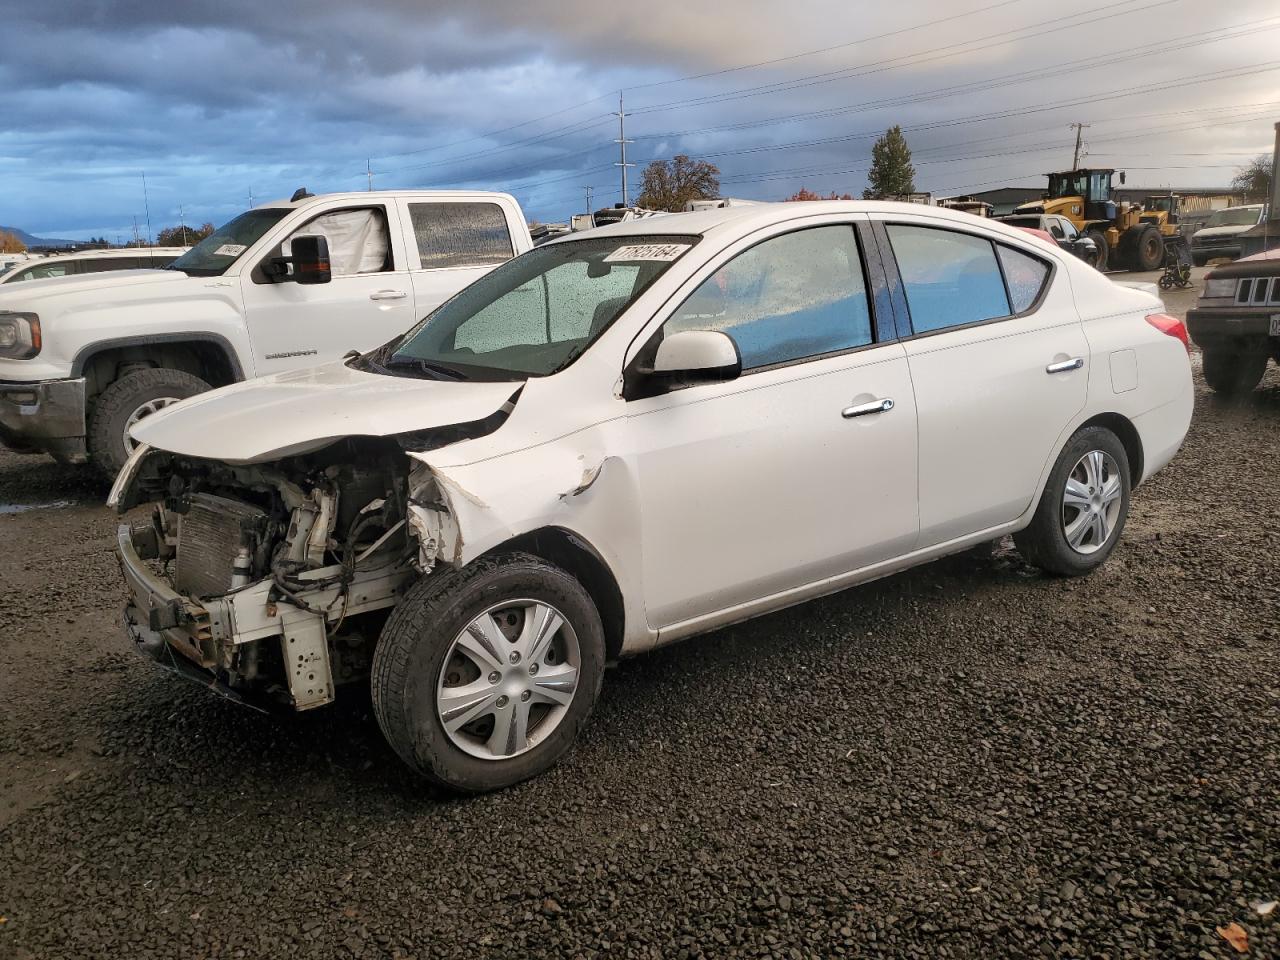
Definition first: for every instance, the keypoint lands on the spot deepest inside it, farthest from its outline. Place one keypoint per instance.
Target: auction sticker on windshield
(230, 250)
(646, 251)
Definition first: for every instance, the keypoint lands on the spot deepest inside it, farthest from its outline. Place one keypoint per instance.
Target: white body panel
(718, 502)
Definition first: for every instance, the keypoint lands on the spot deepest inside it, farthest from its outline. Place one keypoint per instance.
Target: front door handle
(388, 295)
(863, 409)
(1075, 363)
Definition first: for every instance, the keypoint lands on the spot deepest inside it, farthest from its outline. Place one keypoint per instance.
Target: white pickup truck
(84, 358)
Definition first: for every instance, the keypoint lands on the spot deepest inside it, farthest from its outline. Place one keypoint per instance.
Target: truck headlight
(19, 335)
(1223, 287)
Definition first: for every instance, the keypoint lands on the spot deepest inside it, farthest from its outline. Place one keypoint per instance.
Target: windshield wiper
(426, 366)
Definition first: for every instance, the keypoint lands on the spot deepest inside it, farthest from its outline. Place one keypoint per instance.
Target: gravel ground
(968, 760)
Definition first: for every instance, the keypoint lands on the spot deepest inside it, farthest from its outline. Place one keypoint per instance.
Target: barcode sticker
(646, 251)
(230, 250)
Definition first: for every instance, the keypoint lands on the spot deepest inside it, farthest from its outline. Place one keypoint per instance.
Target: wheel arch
(207, 355)
(1129, 438)
(578, 557)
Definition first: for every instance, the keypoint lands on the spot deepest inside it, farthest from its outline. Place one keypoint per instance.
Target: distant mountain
(33, 241)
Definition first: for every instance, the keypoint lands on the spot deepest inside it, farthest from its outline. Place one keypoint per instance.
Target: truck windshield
(212, 255)
(1238, 217)
(1068, 185)
(535, 314)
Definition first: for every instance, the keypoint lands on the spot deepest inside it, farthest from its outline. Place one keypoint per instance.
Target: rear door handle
(388, 295)
(863, 409)
(1073, 364)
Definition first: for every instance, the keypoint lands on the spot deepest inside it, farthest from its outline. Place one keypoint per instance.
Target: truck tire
(460, 644)
(125, 402)
(1082, 511)
(1141, 248)
(1233, 372)
(1099, 239)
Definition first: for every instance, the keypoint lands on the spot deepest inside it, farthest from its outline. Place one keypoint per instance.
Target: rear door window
(950, 278)
(462, 234)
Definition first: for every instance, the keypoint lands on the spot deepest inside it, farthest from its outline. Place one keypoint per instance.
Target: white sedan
(629, 437)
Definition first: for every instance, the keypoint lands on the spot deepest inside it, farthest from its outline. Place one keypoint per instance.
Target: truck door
(454, 242)
(368, 301)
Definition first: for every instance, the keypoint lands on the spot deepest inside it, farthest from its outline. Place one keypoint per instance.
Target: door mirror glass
(311, 260)
(696, 356)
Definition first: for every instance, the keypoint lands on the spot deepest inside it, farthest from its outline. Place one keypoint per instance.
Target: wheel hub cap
(508, 679)
(144, 411)
(1091, 502)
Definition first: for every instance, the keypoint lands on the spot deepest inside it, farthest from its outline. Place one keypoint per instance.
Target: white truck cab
(84, 358)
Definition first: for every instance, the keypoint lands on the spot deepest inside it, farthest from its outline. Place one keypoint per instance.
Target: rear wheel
(1083, 508)
(1100, 241)
(1233, 372)
(484, 676)
(124, 403)
(1142, 248)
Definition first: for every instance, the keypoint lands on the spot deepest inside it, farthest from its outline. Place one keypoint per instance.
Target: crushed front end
(268, 582)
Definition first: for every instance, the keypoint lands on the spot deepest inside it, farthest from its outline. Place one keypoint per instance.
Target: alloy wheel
(508, 679)
(1091, 502)
(144, 411)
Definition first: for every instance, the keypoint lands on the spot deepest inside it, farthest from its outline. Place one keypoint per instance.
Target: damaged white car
(619, 440)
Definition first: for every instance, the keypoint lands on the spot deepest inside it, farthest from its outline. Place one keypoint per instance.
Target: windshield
(1239, 217)
(1068, 185)
(212, 255)
(535, 314)
(1158, 204)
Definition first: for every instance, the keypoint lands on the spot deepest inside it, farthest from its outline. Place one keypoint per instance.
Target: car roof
(745, 219)
(366, 195)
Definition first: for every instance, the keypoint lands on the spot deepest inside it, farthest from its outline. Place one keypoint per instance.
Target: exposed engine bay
(272, 580)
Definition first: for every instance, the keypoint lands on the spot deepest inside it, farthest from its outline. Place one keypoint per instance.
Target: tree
(182, 236)
(670, 184)
(804, 193)
(1254, 179)
(891, 171)
(9, 243)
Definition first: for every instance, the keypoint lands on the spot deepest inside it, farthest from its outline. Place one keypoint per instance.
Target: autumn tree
(804, 193)
(1254, 179)
(9, 243)
(670, 184)
(891, 172)
(182, 236)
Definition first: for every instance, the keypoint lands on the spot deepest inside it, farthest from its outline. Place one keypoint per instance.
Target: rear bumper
(1210, 250)
(1216, 325)
(45, 415)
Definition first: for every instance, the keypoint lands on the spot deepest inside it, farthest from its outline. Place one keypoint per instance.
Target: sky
(218, 103)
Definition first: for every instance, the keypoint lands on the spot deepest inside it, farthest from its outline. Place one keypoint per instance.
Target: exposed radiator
(210, 535)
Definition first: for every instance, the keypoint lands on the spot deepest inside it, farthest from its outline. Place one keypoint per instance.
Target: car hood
(106, 287)
(1206, 232)
(303, 410)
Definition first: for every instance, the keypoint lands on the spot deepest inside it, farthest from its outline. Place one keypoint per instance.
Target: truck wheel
(1100, 241)
(483, 676)
(1083, 508)
(130, 399)
(1141, 248)
(1231, 372)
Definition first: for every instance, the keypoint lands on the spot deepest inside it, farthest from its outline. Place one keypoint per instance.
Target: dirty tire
(419, 634)
(1043, 543)
(1231, 372)
(1104, 249)
(117, 403)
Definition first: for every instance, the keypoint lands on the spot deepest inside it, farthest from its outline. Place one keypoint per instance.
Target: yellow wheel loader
(1128, 236)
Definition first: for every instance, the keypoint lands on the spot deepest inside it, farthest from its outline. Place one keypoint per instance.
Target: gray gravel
(968, 760)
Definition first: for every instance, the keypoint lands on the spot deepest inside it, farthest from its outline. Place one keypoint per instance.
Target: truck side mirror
(311, 260)
(1122, 177)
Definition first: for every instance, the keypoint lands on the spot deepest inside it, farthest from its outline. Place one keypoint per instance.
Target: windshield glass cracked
(536, 314)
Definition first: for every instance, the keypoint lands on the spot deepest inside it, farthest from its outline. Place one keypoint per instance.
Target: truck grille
(1259, 291)
(210, 535)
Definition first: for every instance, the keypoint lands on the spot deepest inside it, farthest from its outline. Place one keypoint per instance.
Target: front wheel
(483, 676)
(1102, 248)
(133, 397)
(1083, 508)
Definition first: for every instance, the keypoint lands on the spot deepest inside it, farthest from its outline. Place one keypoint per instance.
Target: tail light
(1170, 326)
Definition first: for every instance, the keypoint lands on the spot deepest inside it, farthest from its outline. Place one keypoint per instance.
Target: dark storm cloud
(215, 100)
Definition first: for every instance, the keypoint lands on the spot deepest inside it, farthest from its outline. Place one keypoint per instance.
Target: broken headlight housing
(19, 335)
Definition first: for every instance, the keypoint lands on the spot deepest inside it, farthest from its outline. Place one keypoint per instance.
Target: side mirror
(1122, 177)
(310, 260)
(696, 356)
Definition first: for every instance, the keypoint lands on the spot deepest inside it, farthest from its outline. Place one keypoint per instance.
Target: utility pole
(182, 219)
(622, 142)
(369, 171)
(146, 204)
(588, 189)
(251, 198)
(1075, 157)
